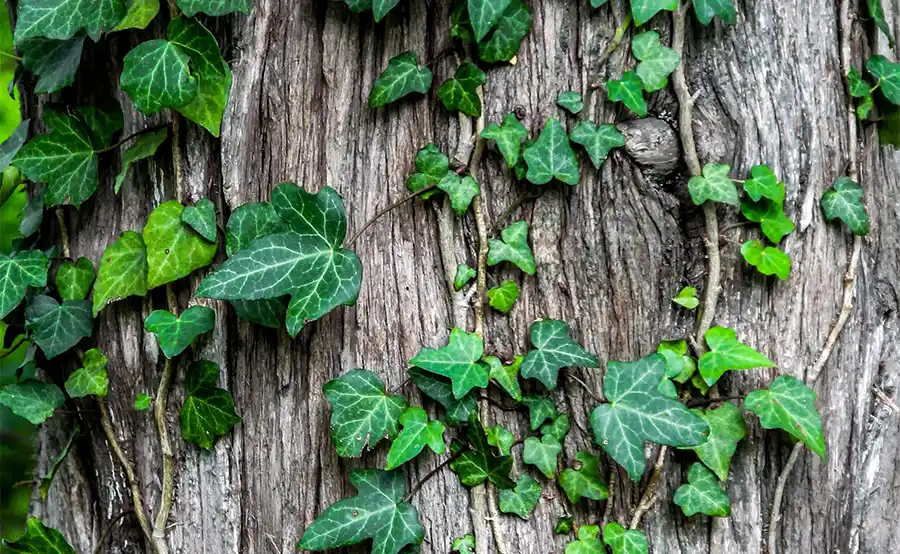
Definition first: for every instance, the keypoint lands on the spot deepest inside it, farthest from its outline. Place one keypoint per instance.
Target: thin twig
(63, 232)
(132, 136)
(167, 496)
(396, 204)
(108, 529)
(611, 48)
(519, 200)
(480, 225)
(607, 511)
(587, 389)
(415, 488)
(500, 405)
(779, 493)
(649, 495)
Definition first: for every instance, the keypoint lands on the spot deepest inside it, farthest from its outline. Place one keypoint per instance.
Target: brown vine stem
(649, 495)
(846, 28)
(611, 48)
(167, 496)
(607, 511)
(63, 232)
(415, 488)
(130, 137)
(386, 210)
(519, 200)
(108, 529)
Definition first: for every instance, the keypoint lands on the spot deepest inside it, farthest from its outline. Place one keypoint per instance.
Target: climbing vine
(289, 262)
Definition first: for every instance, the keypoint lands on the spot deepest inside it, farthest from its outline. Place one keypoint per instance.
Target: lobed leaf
(624, 541)
(554, 349)
(726, 429)
(551, 157)
(727, 353)
(657, 62)
(789, 405)
(460, 190)
(440, 390)
(24, 269)
(33, 400)
(485, 14)
(174, 250)
(501, 438)
(144, 147)
(630, 91)
(513, 248)
(38, 539)
(503, 44)
(714, 185)
(508, 136)
(558, 427)
(687, 298)
(702, 494)
(56, 327)
(461, 92)
(142, 401)
(570, 101)
(403, 76)
(521, 500)
(459, 361)
(417, 433)
(506, 375)
(844, 201)
(644, 10)
(201, 217)
(707, 9)
(362, 412)
(480, 463)
(597, 141)
(767, 259)
(770, 215)
(208, 411)
(764, 184)
(90, 378)
(213, 7)
(53, 62)
(540, 409)
(464, 274)
(62, 19)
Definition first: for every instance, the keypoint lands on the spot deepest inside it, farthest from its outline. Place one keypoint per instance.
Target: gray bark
(611, 253)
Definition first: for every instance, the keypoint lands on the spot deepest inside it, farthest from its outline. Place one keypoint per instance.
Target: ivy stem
(696, 402)
(130, 137)
(384, 211)
(63, 232)
(607, 511)
(10, 56)
(587, 389)
(415, 488)
(167, 495)
(521, 199)
(108, 529)
(611, 47)
(649, 495)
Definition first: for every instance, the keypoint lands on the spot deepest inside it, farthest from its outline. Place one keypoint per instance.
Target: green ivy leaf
(61, 19)
(584, 480)
(558, 427)
(630, 91)
(459, 361)
(554, 349)
(702, 494)
(58, 327)
(513, 248)
(540, 409)
(767, 259)
(123, 271)
(267, 312)
(507, 376)
(570, 101)
(644, 10)
(250, 222)
(888, 75)
(441, 390)
(726, 429)
(464, 274)
(417, 433)
(377, 512)
(90, 378)
(74, 280)
(504, 296)
(403, 76)
(502, 438)
(144, 147)
(859, 88)
(464, 544)
(789, 405)
(707, 9)
(521, 500)
(38, 539)
(551, 157)
(587, 542)
(33, 400)
(138, 14)
(844, 201)
(431, 166)
(142, 401)
(764, 184)
(509, 136)
(175, 333)
(624, 541)
(679, 365)
(480, 462)
(637, 412)
(461, 191)
(597, 141)
(213, 7)
(542, 453)
(13, 357)
(174, 250)
(362, 412)
(657, 62)
(208, 411)
(485, 14)
(156, 74)
(201, 217)
(564, 525)
(727, 353)
(770, 215)
(687, 298)
(877, 13)
(18, 272)
(53, 62)
(461, 92)
(715, 185)
(47, 480)
(504, 43)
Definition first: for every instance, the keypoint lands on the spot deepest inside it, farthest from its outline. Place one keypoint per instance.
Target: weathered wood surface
(611, 252)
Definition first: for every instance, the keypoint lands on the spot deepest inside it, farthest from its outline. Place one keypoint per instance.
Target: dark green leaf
(554, 349)
(503, 44)
(440, 390)
(461, 191)
(630, 91)
(707, 9)
(102, 123)
(877, 14)
(844, 201)
(480, 462)
(431, 166)
(503, 297)
(459, 361)
(33, 400)
(542, 453)
(12, 144)
(507, 376)
(174, 250)
(18, 272)
(74, 280)
(715, 185)
(888, 75)
(624, 541)
(156, 75)
(727, 353)
(461, 92)
(202, 218)
(403, 76)
(53, 62)
(362, 413)
(702, 494)
(464, 274)
(56, 327)
(540, 409)
(597, 141)
(90, 378)
(551, 157)
(501, 438)
(513, 248)
(584, 480)
(509, 137)
(770, 216)
(726, 429)
(175, 333)
(38, 539)
(485, 14)
(144, 147)
(521, 500)
(570, 101)
(417, 433)
(213, 7)
(767, 259)
(267, 312)
(789, 405)
(657, 62)
(122, 272)
(644, 10)
(564, 525)
(250, 222)
(61, 19)
(208, 411)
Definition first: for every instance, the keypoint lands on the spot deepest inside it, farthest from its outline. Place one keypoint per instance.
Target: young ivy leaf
(770, 216)
(213, 7)
(503, 44)
(624, 541)
(587, 542)
(123, 271)
(558, 427)
(38, 539)
(554, 349)
(764, 184)
(74, 280)
(33, 400)
(564, 525)
(53, 62)
(441, 390)
(484, 14)
(726, 429)
(509, 136)
(461, 191)
(156, 74)
(174, 250)
(570, 101)
(767, 259)
(464, 274)
(715, 185)
(521, 500)
(403, 76)
(202, 218)
(461, 92)
(657, 62)
(687, 298)
(727, 353)
(507, 376)
(417, 433)
(459, 361)
(542, 453)
(584, 480)
(844, 201)
(144, 147)
(480, 462)
(597, 141)
(501, 438)
(702, 494)
(377, 512)
(504, 296)
(24, 269)
(432, 165)
(90, 378)
(138, 14)
(859, 88)
(175, 333)
(362, 413)
(208, 411)
(888, 74)
(789, 405)
(463, 545)
(56, 327)
(644, 10)
(142, 401)
(551, 157)
(513, 248)
(877, 14)
(630, 91)
(637, 412)
(61, 19)
(707, 9)
(540, 409)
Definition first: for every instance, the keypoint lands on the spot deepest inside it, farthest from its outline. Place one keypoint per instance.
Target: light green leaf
(461, 191)
(679, 365)
(175, 333)
(377, 512)
(464, 274)
(33, 400)
(13, 205)
(74, 280)
(417, 433)
(144, 147)
(551, 157)
(860, 88)
(461, 92)
(503, 297)
(726, 429)
(403, 76)
(61, 19)
(587, 542)
(597, 141)
(156, 75)
(202, 218)
(513, 248)
(214, 7)
(540, 409)
(24, 269)
(789, 405)
(440, 390)
(208, 411)
(56, 327)
(764, 184)
(584, 480)
(702, 494)
(622, 541)
(362, 412)
(687, 298)
(726, 353)
(249, 222)
(142, 401)
(554, 349)
(459, 361)
(767, 259)
(877, 14)
(90, 378)
(558, 427)
(644, 10)
(464, 544)
(480, 462)
(630, 91)
(637, 412)
(138, 14)
(707, 9)
(507, 376)
(485, 14)
(53, 62)
(174, 250)
(501, 438)
(770, 215)
(888, 75)
(657, 62)
(509, 136)
(570, 101)
(122, 272)
(431, 166)
(12, 357)
(844, 201)
(542, 453)
(715, 185)
(38, 539)
(503, 44)
(521, 500)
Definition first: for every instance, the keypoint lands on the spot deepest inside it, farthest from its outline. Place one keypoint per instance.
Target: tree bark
(611, 253)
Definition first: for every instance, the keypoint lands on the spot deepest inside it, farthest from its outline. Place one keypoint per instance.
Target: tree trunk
(611, 253)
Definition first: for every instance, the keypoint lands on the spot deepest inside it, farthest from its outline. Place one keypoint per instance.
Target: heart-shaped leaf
(506, 375)
(484, 14)
(643, 11)
(570, 101)
(513, 248)
(702, 494)
(208, 411)
(554, 349)
(540, 409)
(584, 480)
(440, 390)
(56, 327)
(53, 62)
(214, 7)
(175, 333)
(33, 400)
(362, 412)
(844, 201)
(624, 541)
(90, 378)
(767, 259)
(521, 500)
(542, 453)
(597, 141)
(24, 269)
(201, 217)
(504, 296)
(628, 90)
(174, 250)
(61, 19)
(459, 361)
(764, 184)
(144, 147)
(707, 9)
(74, 280)
(508, 136)
(403, 76)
